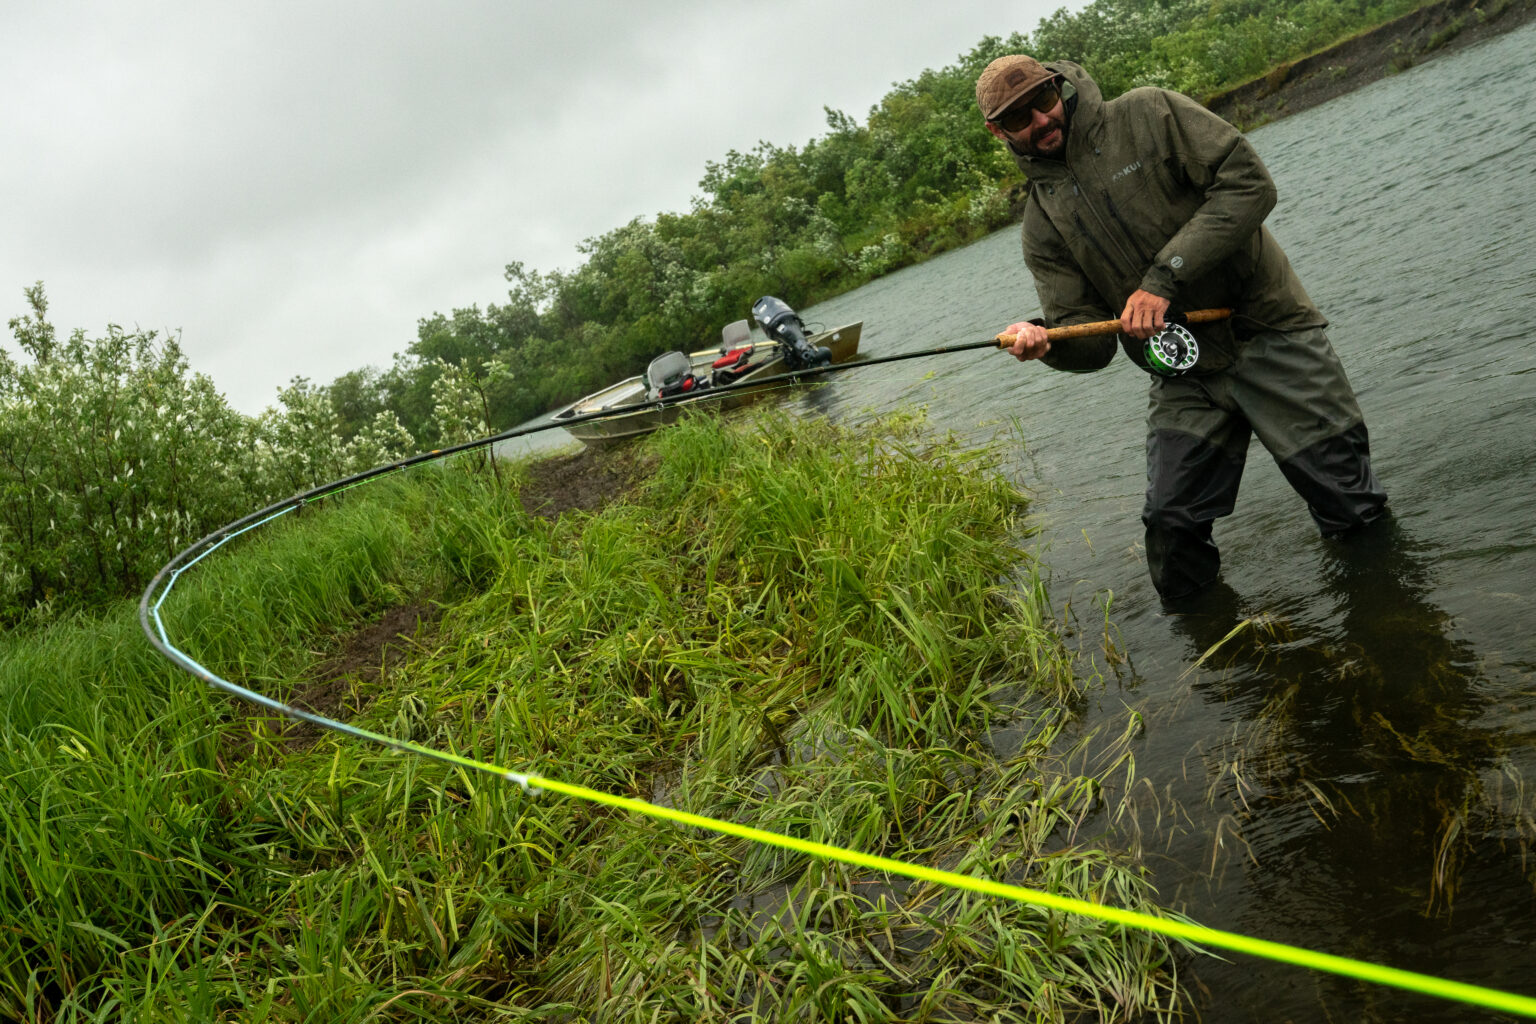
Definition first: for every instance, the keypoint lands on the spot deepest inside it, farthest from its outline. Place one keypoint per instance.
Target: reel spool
(1171, 351)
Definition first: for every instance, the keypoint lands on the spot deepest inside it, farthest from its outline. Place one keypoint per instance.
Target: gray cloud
(293, 185)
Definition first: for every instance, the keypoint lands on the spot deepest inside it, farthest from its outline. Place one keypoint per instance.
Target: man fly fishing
(1148, 205)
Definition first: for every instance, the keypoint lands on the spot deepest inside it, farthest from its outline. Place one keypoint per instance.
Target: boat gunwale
(721, 392)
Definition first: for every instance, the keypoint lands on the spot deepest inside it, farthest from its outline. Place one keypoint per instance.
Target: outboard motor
(783, 325)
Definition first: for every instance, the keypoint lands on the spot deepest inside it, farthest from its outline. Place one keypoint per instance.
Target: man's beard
(1054, 138)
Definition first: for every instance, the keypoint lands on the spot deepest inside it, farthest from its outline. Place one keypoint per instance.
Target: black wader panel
(1336, 478)
(1288, 388)
(1190, 484)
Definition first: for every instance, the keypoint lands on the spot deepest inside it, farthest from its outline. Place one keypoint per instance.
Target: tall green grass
(813, 631)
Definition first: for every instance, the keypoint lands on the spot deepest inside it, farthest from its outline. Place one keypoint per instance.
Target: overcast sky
(293, 186)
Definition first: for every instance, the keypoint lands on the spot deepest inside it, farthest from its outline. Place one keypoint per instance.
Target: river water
(1355, 771)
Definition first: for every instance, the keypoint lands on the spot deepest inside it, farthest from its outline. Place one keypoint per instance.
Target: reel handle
(1100, 327)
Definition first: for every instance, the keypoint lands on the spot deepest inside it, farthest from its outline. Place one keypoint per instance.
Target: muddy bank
(1423, 35)
(584, 481)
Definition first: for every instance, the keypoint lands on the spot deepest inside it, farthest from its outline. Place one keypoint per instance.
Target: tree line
(113, 452)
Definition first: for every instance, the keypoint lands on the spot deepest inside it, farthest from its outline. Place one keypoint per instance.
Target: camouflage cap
(1008, 79)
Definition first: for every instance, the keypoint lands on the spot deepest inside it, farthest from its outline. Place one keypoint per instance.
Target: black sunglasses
(1021, 114)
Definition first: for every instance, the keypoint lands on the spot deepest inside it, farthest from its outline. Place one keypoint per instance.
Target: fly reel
(1171, 351)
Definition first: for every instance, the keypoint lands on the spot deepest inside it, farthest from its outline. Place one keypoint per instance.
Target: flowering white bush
(114, 456)
(876, 259)
(382, 441)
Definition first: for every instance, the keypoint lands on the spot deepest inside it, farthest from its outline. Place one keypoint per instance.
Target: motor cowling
(783, 325)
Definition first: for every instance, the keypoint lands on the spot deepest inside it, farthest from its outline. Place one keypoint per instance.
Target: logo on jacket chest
(1127, 169)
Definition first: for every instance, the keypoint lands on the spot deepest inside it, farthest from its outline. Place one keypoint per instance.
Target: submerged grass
(809, 630)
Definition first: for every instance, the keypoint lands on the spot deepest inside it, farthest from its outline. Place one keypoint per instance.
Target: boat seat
(670, 373)
(732, 366)
(735, 335)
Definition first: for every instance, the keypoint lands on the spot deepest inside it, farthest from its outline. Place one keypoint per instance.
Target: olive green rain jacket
(1155, 192)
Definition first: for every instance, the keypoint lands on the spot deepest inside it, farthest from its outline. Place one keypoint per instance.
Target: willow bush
(114, 455)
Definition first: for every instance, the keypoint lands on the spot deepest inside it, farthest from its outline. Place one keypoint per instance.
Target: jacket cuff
(1159, 281)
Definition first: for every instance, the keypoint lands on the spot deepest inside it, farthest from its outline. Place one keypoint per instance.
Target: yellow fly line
(1476, 995)
(149, 613)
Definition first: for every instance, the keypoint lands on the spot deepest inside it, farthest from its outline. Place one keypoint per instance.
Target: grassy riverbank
(1431, 31)
(810, 631)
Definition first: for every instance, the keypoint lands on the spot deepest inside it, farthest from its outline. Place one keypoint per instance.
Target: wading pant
(1288, 388)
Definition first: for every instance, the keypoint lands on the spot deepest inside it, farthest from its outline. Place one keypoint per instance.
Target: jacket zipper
(1131, 262)
(1125, 230)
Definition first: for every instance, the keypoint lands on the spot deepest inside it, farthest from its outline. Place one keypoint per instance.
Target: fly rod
(1101, 327)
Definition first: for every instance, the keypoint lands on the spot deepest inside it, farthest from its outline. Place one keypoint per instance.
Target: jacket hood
(1084, 104)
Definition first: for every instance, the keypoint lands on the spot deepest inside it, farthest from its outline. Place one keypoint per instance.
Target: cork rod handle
(1093, 330)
